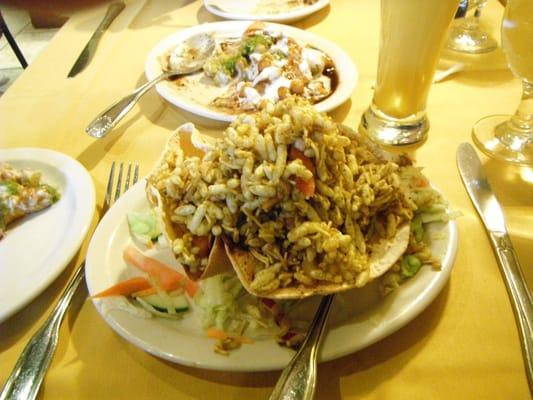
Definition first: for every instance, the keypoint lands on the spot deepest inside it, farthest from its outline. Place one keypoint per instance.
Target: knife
(87, 53)
(491, 214)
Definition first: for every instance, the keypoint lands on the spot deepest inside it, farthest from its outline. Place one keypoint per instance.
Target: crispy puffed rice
(246, 189)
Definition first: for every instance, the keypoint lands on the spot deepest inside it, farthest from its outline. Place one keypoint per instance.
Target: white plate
(345, 68)
(246, 10)
(184, 342)
(38, 247)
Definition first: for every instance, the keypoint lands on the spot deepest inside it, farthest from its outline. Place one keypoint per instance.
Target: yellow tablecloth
(463, 346)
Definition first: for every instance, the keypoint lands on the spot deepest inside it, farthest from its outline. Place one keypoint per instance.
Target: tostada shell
(185, 135)
(386, 253)
(224, 255)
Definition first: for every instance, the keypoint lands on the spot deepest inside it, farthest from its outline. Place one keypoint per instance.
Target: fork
(30, 369)
(298, 379)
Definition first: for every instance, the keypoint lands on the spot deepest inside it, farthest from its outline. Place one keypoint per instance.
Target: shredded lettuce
(225, 305)
(431, 207)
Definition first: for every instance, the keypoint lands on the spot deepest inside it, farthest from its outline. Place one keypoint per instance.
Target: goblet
(505, 137)
(466, 35)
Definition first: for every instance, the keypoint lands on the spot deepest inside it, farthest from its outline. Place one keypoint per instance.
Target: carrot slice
(214, 333)
(165, 276)
(125, 288)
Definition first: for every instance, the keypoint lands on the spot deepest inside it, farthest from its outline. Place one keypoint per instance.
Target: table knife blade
(490, 211)
(88, 51)
(479, 189)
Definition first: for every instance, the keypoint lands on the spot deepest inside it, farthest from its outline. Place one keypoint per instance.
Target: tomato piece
(422, 183)
(202, 242)
(307, 188)
(295, 154)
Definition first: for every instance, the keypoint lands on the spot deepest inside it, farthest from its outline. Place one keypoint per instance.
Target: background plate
(241, 10)
(346, 70)
(38, 247)
(358, 317)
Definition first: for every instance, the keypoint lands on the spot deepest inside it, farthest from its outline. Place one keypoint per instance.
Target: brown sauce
(331, 73)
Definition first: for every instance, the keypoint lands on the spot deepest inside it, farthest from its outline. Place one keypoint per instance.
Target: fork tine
(109, 188)
(118, 189)
(128, 176)
(136, 174)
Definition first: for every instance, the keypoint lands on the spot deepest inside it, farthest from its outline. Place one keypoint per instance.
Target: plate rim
(348, 77)
(416, 306)
(85, 215)
(288, 16)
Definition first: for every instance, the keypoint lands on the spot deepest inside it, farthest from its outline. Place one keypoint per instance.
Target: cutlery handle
(104, 122)
(520, 296)
(28, 373)
(298, 379)
(113, 10)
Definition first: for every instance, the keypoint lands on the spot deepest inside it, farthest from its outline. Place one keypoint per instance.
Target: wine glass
(466, 35)
(510, 138)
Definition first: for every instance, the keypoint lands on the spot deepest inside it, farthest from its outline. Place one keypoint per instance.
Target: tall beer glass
(510, 137)
(413, 33)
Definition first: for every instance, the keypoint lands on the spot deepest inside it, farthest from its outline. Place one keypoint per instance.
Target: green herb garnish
(53, 191)
(250, 44)
(11, 187)
(229, 64)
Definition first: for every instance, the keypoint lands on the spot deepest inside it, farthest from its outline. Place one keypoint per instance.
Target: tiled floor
(29, 39)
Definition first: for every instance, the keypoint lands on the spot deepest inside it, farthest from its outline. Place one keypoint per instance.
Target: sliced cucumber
(167, 304)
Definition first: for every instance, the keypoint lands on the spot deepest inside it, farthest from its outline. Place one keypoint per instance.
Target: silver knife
(87, 53)
(491, 214)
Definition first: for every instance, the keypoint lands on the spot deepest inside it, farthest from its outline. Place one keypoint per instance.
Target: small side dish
(252, 64)
(22, 193)
(263, 65)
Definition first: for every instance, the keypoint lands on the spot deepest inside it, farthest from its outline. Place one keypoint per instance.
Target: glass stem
(522, 120)
(472, 22)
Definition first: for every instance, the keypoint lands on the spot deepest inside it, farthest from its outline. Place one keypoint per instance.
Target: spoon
(298, 379)
(195, 52)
